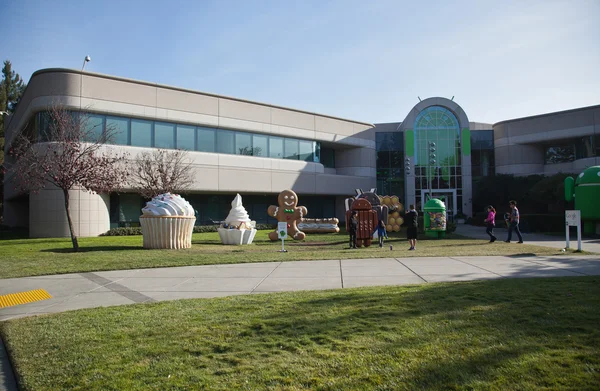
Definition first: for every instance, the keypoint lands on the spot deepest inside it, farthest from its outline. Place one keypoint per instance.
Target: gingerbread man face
(287, 199)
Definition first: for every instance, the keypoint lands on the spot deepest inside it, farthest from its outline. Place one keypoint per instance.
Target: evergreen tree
(11, 90)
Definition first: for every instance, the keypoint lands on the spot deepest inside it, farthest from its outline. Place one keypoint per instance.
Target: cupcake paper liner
(167, 232)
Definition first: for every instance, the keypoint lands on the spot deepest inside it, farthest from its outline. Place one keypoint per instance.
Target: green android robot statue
(586, 192)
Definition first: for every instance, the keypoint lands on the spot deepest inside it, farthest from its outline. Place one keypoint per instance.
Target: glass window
(317, 152)
(583, 147)
(306, 150)
(225, 141)
(328, 157)
(164, 135)
(243, 144)
(383, 159)
(205, 139)
(141, 133)
(185, 137)
(560, 154)
(118, 127)
(276, 147)
(260, 145)
(291, 149)
(93, 127)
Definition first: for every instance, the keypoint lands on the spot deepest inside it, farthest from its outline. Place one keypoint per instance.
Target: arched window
(437, 150)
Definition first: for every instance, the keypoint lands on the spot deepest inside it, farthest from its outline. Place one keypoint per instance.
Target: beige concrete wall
(520, 143)
(213, 172)
(47, 216)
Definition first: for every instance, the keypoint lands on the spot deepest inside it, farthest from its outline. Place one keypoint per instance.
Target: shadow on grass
(315, 244)
(471, 329)
(91, 249)
(521, 255)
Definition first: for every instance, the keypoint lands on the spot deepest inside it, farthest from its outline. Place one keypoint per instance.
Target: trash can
(434, 218)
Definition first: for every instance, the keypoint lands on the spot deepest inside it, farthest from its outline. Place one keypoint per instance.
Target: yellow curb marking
(23, 297)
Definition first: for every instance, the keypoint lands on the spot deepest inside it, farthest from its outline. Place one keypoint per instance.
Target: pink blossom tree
(70, 154)
(162, 171)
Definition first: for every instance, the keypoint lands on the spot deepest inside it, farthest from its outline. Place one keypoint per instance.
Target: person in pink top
(490, 223)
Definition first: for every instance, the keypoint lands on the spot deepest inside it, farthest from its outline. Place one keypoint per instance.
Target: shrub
(129, 231)
(542, 223)
(450, 227)
(123, 231)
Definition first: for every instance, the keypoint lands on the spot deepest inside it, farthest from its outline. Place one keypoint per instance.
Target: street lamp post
(432, 162)
(85, 61)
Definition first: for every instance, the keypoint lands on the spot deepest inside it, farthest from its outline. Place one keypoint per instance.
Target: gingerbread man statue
(288, 211)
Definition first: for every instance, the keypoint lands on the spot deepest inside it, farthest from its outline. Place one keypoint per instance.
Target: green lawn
(32, 257)
(514, 334)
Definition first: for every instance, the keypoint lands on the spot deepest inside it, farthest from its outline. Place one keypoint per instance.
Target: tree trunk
(73, 236)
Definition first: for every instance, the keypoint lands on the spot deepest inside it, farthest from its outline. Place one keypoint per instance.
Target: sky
(363, 60)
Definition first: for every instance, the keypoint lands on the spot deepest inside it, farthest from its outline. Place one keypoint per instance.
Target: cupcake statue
(237, 227)
(167, 222)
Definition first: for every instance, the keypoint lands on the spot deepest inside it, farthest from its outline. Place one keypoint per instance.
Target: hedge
(129, 231)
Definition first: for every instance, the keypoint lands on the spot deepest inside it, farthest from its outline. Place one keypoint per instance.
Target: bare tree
(70, 153)
(162, 171)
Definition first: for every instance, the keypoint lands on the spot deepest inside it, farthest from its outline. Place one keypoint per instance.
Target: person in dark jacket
(352, 228)
(413, 225)
(515, 218)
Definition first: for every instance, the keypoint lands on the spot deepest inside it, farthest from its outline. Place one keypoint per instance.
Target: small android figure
(586, 192)
(367, 221)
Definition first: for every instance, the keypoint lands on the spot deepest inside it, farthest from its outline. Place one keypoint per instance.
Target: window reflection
(119, 127)
(260, 145)
(141, 133)
(276, 147)
(164, 135)
(206, 140)
(243, 144)
(185, 137)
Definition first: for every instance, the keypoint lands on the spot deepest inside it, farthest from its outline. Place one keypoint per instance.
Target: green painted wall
(409, 142)
(466, 141)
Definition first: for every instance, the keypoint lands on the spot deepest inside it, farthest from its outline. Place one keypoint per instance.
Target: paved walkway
(591, 245)
(87, 290)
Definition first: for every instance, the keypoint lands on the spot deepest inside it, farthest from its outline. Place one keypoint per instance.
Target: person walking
(413, 224)
(514, 222)
(352, 228)
(490, 222)
(381, 232)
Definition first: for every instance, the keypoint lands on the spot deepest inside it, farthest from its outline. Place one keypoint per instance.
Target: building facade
(258, 150)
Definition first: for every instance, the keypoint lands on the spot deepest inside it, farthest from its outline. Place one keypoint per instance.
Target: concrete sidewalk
(591, 245)
(87, 290)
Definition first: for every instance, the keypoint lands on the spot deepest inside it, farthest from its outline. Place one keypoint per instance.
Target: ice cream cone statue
(237, 228)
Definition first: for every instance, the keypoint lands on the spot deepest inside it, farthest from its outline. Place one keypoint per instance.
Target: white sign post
(573, 218)
(282, 234)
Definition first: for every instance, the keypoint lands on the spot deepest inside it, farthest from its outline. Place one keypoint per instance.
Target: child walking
(381, 232)
(490, 223)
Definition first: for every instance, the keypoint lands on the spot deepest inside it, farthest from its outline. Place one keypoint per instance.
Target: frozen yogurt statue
(237, 227)
(167, 222)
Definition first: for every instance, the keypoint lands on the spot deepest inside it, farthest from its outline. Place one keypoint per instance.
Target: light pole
(432, 163)
(85, 61)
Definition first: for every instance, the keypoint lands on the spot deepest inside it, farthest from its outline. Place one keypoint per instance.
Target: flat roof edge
(547, 114)
(76, 71)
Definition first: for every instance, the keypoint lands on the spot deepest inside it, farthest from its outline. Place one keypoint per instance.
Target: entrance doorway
(448, 196)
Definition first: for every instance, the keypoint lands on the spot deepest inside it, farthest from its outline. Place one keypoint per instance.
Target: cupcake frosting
(237, 213)
(168, 205)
